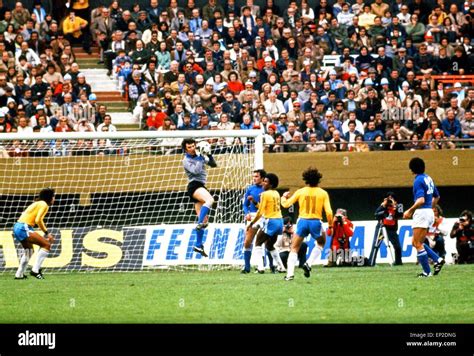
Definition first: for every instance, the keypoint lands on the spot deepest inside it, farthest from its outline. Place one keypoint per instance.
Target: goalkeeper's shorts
(192, 187)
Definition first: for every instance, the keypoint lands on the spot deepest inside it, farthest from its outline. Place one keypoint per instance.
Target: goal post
(121, 202)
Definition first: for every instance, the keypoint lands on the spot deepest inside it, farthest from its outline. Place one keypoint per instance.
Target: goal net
(121, 201)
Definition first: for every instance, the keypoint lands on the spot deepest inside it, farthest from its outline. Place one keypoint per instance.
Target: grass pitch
(381, 294)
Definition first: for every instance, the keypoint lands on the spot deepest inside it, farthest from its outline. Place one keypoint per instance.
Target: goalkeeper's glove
(211, 161)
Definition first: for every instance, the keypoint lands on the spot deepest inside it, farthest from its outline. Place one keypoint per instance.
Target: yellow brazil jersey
(269, 206)
(311, 201)
(34, 214)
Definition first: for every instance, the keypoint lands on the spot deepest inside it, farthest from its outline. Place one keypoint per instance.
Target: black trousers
(439, 246)
(85, 39)
(465, 252)
(109, 56)
(394, 240)
(301, 255)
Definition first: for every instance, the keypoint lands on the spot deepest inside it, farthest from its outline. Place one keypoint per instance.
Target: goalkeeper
(24, 233)
(194, 162)
(250, 207)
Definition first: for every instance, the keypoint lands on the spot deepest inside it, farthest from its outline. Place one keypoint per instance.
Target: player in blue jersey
(250, 207)
(426, 196)
(194, 163)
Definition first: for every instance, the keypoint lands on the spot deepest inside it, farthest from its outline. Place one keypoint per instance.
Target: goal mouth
(121, 195)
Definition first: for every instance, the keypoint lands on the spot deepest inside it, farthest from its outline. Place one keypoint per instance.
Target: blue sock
(203, 213)
(247, 256)
(423, 259)
(199, 237)
(431, 254)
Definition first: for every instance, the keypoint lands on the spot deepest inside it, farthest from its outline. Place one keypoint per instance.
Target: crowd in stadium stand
(332, 76)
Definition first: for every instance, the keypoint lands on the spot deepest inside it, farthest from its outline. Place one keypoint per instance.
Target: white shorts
(258, 224)
(423, 218)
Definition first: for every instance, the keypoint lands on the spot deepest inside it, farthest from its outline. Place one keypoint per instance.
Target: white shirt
(112, 128)
(359, 127)
(26, 130)
(274, 108)
(404, 19)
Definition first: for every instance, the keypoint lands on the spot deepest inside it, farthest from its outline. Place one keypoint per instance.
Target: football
(203, 147)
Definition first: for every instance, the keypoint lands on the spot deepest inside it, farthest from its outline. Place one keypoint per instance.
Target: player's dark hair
(312, 177)
(187, 141)
(287, 220)
(273, 180)
(261, 172)
(46, 194)
(391, 194)
(417, 165)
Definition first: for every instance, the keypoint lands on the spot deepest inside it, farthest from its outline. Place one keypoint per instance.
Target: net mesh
(108, 191)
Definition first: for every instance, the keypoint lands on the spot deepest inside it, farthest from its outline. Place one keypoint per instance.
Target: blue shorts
(305, 227)
(21, 231)
(273, 227)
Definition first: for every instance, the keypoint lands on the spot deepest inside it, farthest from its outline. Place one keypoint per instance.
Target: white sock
(258, 253)
(291, 263)
(25, 257)
(314, 255)
(276, 259)
(42, 254)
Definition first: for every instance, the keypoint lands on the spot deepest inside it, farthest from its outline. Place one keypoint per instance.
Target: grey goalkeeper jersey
(195, 168)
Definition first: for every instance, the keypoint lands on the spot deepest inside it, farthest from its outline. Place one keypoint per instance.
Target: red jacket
(346, 230)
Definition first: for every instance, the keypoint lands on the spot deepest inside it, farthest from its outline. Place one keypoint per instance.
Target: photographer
(341, 232)
(387, 215)
(284, 242)
(463, 231)
(437, 233)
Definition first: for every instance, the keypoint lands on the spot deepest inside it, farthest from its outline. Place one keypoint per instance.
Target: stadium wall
(345, 170)
(139, 248)
(370, 170)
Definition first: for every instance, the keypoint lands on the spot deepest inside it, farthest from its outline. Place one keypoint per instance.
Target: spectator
(75, 31)
(451, 125)
(337, 143)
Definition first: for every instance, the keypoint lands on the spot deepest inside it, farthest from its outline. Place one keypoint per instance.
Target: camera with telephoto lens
(339, 218)
(389, 202)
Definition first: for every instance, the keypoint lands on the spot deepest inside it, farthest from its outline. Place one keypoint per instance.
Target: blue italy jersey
(423, 186)
(254, 191)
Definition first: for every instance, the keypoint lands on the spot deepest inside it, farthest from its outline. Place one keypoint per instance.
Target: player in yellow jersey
(24, 232)
(272, 226)
(311, 200)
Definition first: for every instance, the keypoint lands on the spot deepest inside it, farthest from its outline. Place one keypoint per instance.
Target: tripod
(379, 236)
